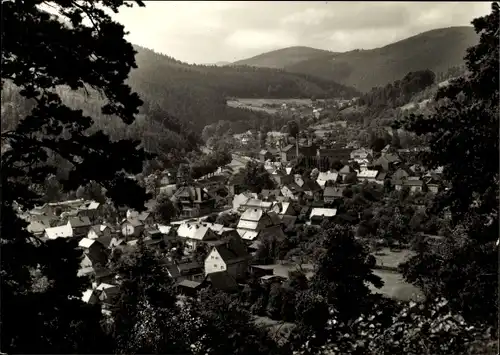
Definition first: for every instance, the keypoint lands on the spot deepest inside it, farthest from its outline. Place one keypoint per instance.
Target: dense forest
(197, 93)
(436, 50)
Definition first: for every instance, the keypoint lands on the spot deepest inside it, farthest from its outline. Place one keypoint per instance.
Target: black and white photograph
(249, 177)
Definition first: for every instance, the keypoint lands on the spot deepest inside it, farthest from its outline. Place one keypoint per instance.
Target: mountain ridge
(367, 68)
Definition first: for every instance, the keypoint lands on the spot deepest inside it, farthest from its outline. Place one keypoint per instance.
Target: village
(220, 223)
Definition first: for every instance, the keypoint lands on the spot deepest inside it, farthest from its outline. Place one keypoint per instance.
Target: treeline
(399, 92)
(197, 93)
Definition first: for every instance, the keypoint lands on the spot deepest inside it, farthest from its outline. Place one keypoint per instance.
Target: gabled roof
(327, 176)
(274, 232)
(93, 205)
(81, 221)
(232, 251)
(252, 214)
(195, 231)
(256, 203)
(381, 175)
(163, 228)
(311, 185)
(133, 221)
(247, 234)
(105, 240)
(86, 243)
(346, 170)
(323, 212)
(331, 191)
(367, 174)
(64, 231)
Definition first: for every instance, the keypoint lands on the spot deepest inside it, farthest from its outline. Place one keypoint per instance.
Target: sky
(211, 31)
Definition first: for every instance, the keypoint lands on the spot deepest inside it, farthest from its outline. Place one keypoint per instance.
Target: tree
(164, 210)
(467, 116)
(35, 59)
(219, 322)
(343, 272)
(145, 307)
(293, 128)
(256, 178)
(92, 191)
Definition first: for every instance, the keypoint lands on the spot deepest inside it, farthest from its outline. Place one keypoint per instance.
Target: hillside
(284, 57)
(436, 50)
(197, 93)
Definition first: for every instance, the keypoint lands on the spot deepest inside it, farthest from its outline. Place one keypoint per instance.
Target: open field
(259, 104)
(396, 288)
(391, 258)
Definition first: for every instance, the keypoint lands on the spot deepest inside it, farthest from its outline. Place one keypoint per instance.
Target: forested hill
(197, 93)
(284, 57)
(436, 50)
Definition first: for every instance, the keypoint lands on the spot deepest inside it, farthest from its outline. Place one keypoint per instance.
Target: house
(64, 231)
(80, 225)
(37, 227)
(256, 203)
(187, 270)
(272, 232)
(254, 219)
(231, 256)
(92, 210)
(280, 177)
(380, 179)
(433, 185)
(332, 194)
(221, 281)
(194, 201)
(236, 184)
(107, 293)
(400, 174)
(265, 155)
(387, 161)
(368, 175)
(327, 177)
(292, 191)
(103, 275)
(319, 214)
(346, 170)
(340, 154)
(413, 185)
(241, 199)
(189, 288)
(284, 208)
(196, 233)
(98, 230)
(288, 153)
(270, 194)
(90, 296)
(312, 189)
(94, 250)
(145, 218)
(361, 153)
(131, 228)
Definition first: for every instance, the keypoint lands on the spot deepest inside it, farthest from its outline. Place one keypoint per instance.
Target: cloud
(207, 32)
(255, 39)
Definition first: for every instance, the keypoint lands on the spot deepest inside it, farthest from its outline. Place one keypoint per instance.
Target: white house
(368, 175)
(195, 233)
(324, 177)
(99, 230)
(64, 231)
(230, 256)
(131, 227)
(318, 214)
